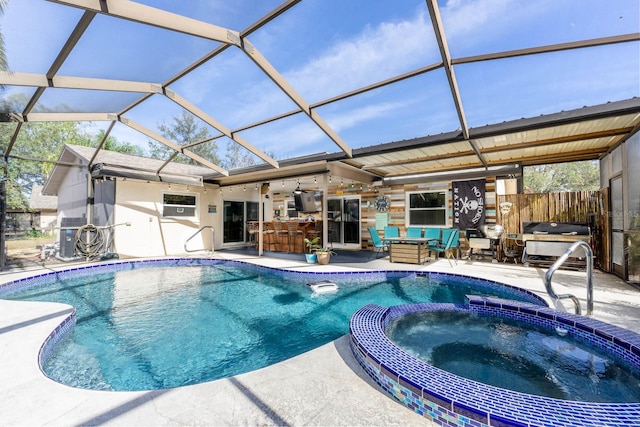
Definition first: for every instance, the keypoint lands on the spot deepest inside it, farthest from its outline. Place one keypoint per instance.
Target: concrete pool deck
(322, 387)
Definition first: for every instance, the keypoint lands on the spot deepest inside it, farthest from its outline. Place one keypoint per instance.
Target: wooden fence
(589, 207)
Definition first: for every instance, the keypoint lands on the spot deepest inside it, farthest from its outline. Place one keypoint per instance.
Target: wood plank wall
(397, 196)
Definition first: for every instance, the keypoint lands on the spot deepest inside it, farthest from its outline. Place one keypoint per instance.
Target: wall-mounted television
(308, 201)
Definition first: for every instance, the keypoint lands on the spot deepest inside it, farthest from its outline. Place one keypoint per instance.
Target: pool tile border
(450, 400)
(111, 266)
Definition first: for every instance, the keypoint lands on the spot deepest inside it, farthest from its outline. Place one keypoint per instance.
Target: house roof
(40, 202)
(103, 163)
(390, 89)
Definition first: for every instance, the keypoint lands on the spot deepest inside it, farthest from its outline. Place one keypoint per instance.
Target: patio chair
(414, 232)
(455, 245)
(378, 244)
(446, 232)
(447, 249)
(432, 233)
(391, 231)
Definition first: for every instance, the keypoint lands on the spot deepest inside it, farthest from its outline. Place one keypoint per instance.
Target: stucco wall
(47, 221)
(72, 196)
(140, 204)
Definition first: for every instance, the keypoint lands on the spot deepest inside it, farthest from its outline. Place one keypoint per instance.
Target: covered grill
(487, 237)
(544, 242)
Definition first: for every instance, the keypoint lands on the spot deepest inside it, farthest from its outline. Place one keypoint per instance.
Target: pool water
(515, 355)
(162, 327)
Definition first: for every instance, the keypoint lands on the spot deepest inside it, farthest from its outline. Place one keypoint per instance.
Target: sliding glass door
(233, 222)
(344, 221)
(236, 216)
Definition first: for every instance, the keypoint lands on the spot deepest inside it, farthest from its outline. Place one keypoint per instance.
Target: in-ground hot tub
(450, 399)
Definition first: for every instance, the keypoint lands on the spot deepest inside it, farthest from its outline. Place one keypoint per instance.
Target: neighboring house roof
(40, 202)
(112, 163)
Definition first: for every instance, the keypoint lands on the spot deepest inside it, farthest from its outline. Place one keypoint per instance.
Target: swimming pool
(449, 399)
(144, 325)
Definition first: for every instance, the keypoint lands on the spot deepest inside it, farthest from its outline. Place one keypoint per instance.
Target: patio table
(410, 250)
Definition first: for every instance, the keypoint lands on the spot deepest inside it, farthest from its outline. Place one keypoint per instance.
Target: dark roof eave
(283, 163)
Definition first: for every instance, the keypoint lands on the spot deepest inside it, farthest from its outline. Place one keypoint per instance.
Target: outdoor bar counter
(288, 236)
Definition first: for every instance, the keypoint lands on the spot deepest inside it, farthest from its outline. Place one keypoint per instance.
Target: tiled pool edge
(451, 400)
(55, 336)
(110, 266)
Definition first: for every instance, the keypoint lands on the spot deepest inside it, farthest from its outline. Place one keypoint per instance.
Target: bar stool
(294, 234)
(252, 229)
(268, 236)
(279, 234)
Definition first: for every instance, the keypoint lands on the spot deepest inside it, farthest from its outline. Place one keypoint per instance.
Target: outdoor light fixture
(297, 190)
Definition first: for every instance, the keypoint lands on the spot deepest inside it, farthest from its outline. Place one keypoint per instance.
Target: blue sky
(328, 47)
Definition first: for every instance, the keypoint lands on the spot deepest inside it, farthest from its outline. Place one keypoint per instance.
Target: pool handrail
(213, 232)
(589, 270)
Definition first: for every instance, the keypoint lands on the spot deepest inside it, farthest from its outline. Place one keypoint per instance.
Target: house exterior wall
(150, 234)
(72, 196)
(624, 215)
(48, 220)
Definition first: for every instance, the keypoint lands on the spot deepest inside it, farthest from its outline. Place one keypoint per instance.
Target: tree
(112, 144)
(38, 146)
(572, 176)
(185, 130)
(4, 64)
(238, 157)
(30, 160)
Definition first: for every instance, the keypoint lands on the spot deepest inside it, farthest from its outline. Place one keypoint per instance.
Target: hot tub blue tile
(440, 388)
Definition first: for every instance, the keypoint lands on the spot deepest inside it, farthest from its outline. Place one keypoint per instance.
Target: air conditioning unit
(68, 235)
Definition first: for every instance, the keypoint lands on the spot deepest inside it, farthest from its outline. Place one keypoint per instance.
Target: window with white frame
(427, 208)
(178, 205)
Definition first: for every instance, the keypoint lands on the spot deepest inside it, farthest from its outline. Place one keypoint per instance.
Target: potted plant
(312, 246)
(324, 255)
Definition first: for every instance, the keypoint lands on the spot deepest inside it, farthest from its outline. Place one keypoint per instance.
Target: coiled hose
(91, 241)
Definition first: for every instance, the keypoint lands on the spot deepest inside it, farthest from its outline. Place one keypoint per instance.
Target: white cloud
(365, 114)
(462, 18)
(375, 54)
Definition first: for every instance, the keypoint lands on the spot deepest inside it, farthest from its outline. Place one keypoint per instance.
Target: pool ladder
(589, 270)
(213, 232)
